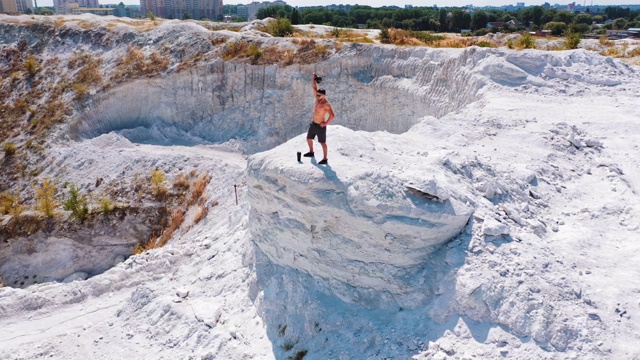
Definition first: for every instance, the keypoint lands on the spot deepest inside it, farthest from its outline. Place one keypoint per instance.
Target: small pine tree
(157, 181)
(385, 37)
(151, 15)
(45, 198)
(77, 204)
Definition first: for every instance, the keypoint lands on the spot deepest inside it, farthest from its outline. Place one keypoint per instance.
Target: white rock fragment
(593, 143)
(574, 141)
(183, 293)
(492, 227)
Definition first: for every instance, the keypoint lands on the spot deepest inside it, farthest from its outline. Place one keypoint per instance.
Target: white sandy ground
(563, 284)
(590, 197)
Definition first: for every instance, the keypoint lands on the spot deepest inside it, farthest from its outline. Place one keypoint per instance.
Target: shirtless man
(322, 116)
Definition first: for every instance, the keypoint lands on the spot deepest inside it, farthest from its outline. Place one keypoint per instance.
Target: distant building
(495, 24)
(242, 11)
(178, 9)
(252, 9)
(15, 6)
(66, 6)
(95, 11)
(520, 5)
(8, 7)
(515, 23)
(23, 5)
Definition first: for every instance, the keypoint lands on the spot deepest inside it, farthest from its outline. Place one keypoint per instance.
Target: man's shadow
(328, 171)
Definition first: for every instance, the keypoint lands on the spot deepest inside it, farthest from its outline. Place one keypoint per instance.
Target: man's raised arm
(315, 86)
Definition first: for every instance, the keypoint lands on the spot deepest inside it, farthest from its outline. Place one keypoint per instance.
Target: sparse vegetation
(135, 64)
(45, 198)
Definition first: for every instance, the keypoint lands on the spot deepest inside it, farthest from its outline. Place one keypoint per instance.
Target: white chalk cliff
(366, 221)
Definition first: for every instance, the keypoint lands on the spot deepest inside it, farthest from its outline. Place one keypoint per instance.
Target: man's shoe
(323, 162)
(309, 154)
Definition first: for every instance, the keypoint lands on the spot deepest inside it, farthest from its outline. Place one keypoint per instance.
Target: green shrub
(280, 28)
(572, 40)
(385, 37)
(526, 41)
(77, 204)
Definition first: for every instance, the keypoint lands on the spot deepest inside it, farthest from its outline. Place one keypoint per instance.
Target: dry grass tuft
(604, 40)
(145, 246)
(175, 221)
(181, 182)
(234, 49)
(612, 51)
(200, 213)
(198, 188)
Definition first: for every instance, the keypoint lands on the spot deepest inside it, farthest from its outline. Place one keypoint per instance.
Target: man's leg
(310, 143)
(324, 149)
(310, 135)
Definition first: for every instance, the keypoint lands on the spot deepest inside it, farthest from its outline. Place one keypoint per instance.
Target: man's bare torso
(321, 112)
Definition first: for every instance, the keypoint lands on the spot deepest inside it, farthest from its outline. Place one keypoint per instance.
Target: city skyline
(400, 3)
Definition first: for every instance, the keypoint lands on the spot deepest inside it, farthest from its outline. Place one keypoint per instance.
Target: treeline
(456, 19)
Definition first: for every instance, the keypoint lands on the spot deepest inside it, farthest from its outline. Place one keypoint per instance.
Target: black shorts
(316, 129)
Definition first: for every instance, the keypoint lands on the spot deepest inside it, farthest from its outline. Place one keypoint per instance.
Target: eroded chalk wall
(372, 88)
